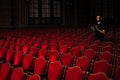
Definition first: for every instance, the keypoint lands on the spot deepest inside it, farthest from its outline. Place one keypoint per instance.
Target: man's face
(98, 18)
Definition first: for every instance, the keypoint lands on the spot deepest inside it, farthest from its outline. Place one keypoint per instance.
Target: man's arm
(101, 31)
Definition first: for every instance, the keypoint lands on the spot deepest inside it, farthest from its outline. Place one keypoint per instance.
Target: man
(99, 29)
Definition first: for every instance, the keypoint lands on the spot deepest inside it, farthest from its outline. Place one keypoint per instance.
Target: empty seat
(53, 56)
(25, 49)
(17, 74)
(27, 61)
(5, 71)
(33, 51)
(106, 55)
(42, 53)
(33, 77)
(9, 55)
(40, 65)
(17, 58)
(83, 62)
(18, 47)
(2, 52)
(76, 51)
(67, 59)
(90, 53)
(74, 73)
(102, 66)
(63, 49)
(55, 71)
(98, 76)
(108, 48)
(94, 46)
(53, 47)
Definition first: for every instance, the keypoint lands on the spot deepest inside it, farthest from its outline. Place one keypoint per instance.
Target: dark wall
(5, 13)
(117, 11)
(13, 13)
(75, 12)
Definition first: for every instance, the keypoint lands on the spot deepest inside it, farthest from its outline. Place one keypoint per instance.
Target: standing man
(99, 29)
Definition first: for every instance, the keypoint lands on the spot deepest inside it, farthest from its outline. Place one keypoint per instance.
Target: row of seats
(58, 54)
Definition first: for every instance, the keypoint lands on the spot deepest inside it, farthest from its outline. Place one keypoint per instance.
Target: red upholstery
(42, 53)
(2, 52)
(106, 55)
(82, 46)
(17, 58)
(83, 62)
(18, 47)
(75, 51)
(44, 46)
(1, 43)
(63, 49)
(102, 66)
(17, 74)
(6, 44)
(94, 46)
(33, 51)
(55, 71)
(27, 61)
(90, 53)
(9, 55)
(109, 44)
(25, 49)
(40, 64)
(4, 71)
(53, 47)
(98, 76)
(33, 77)
(108, 48)
(74, 73)
(67, 59)
(53, 56)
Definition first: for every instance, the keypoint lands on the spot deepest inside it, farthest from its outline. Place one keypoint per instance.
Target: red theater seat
(33, 77)
(33, 51)
(98, 76)
(2, 52)
(102, 66)
(90, 53)
(53, 56)
(55, 71)
(106, 55)
(94, 46)
(4, 71)
(17, 58)
(67, 59)
(9, 55)
(108, 48)
(27, 61)
(83, 62)
(18, 47)
(74, 73)
(63, 49)
(17, 74)
(25, 49)
(42, 53)
(76, 51)
(39, 66)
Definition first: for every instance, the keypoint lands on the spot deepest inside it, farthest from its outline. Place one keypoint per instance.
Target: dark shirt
(98, 35)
